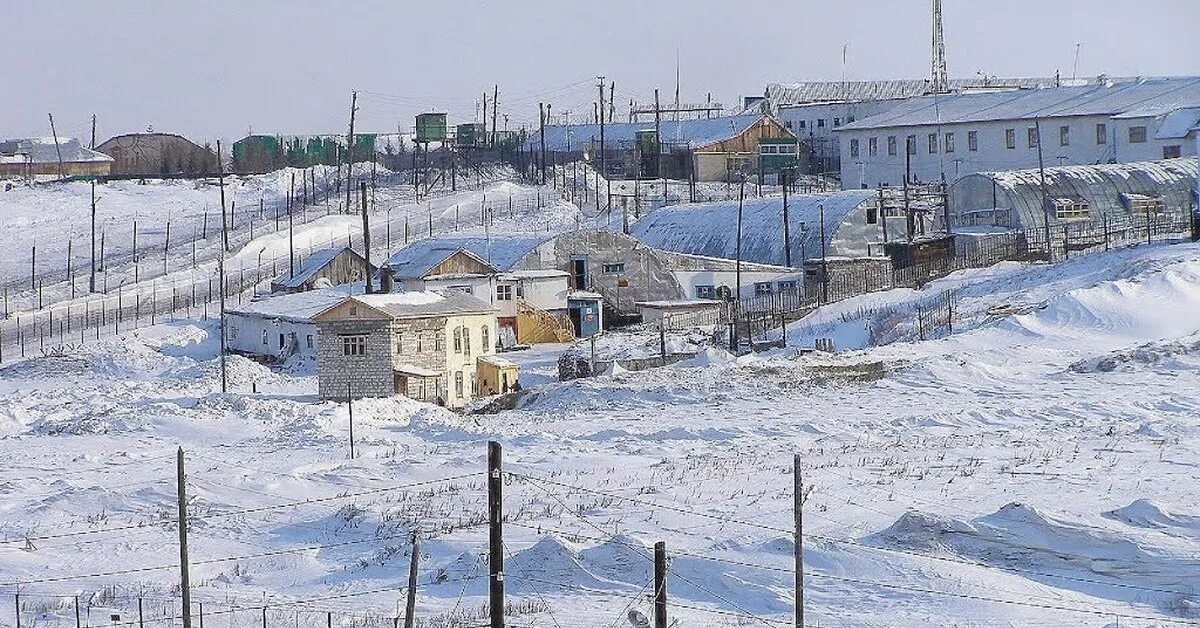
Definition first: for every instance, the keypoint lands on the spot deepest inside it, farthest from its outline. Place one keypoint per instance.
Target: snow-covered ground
(1035, 468)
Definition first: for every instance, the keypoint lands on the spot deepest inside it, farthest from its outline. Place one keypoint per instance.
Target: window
(1101, 133)
(1174, 151)
(458, 384)
(484, 340)
(1010, 138)
(1071, 208)
(466, 336)
(231, 333)
(399, 342)
(873, 146)
(891, 146)
(439, 342)
(973, 141)
(353, 310)
(762, 288)
(854, 148)
(837, 122)
(462, 289)
(504, 292)
(308, 341)
(354, 345)
(458, 340)
(910, 145)
(420, 342)
(787, 286)
(266, 338)
(1064, 136)
(949, 142)
(933, 143)
(474, 385)
(706, 292)
(872, 214)
(1137, 135)
(802, 124)
(788, 124)
(767, 149)
(820, 123)
(849, 119)
(1032, 134)
(1143, 204)
(520, 290)
(613, 269)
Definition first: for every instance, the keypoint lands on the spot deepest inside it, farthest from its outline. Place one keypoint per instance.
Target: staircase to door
(535, 325)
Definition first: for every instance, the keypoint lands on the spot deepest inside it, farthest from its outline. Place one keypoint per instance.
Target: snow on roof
(1104, 186)
(1178, 124)
(693, 133)
(299, 306)
(678, 305)
(501, 251)
(42, 150)
(783, 94)
(1149, 97)
(310, 265)
(421, 304)
(585, 295)
(412, 369)
(710, 229)
(549, 273)
(498, 361)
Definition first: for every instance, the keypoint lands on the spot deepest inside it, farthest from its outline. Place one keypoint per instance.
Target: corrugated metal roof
(42, 150)
(693, 133)
(1178, 124)
(807, 92)
(422, 304)
(502, 252)
(1146, 98)
(710, 229)
(300, 306)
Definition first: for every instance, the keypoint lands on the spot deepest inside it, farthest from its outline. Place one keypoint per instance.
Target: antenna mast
(940, 84)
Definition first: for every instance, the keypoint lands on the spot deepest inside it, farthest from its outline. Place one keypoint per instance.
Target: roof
(423, 304)
(412, 369)
(42, 150)
(710, 229)
(501, 252)
(299, 306)
(678, 305)
(1151, 97)
(1178, 124)
(310, 265)
(808, 92)
(1105, 187)
(548, 273)
(498, 361)
(693, 133)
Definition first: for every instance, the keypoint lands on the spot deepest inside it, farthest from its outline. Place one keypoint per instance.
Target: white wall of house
(814, 123)
(481, 286)
(461, 356)
(1084, 142)
(695, 282)
(259, 334)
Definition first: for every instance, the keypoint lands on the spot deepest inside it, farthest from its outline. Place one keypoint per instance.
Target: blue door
(585, 317)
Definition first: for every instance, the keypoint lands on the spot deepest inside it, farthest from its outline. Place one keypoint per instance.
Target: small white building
(653, 311)
(959, 134)
(279, 326)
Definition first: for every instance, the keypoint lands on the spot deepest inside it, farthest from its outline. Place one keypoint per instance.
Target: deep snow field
(1038, 467)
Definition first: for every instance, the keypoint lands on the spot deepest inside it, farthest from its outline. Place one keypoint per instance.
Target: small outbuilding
(324, 268)
(37, 156)
(276, 327)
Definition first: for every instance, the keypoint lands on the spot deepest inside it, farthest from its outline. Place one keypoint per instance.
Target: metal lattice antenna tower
(940, 75)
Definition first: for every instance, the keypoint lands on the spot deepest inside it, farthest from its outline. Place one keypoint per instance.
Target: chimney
(386, 280)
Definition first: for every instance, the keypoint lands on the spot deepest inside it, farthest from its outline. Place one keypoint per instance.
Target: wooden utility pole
(495, 101)
(798, 538)
(350, 148)
(658, 144)
(737, 288)
(1045, 195)
(542, 141)
(221, 300)
(92, 273)
(495, 483)
(824, 261)
(57, 149)
(787, 236)
(221, 185)
(185, 586)
(660, 585)
(485, 124)
(410, 603)
(350, 410)
(366, 235)
(600, 115)
(93, 146)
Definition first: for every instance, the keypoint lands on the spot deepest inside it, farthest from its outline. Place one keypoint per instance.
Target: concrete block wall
(368, 375)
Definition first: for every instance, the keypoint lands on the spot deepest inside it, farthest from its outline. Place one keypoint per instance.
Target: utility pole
(184, 580)
(350, 409)
(410, 605)
(92, 273)
(291, 240)
(737, 288)
(603, 161)
(660, 585)
(221, 290)
(366, 235)
(57, 149)
(495, 483)
(798, 538)
(93, 146)
(658, 144)
(224, 217)
(1037, 129)
(350, 148)
(824, 263)
(787, 237)
(495, 101)
(542, 140)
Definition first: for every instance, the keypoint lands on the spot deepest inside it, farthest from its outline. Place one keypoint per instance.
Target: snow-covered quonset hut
(853, 227)
(1075, 195)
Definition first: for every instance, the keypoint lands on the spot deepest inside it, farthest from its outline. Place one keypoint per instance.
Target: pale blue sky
(219, 67)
